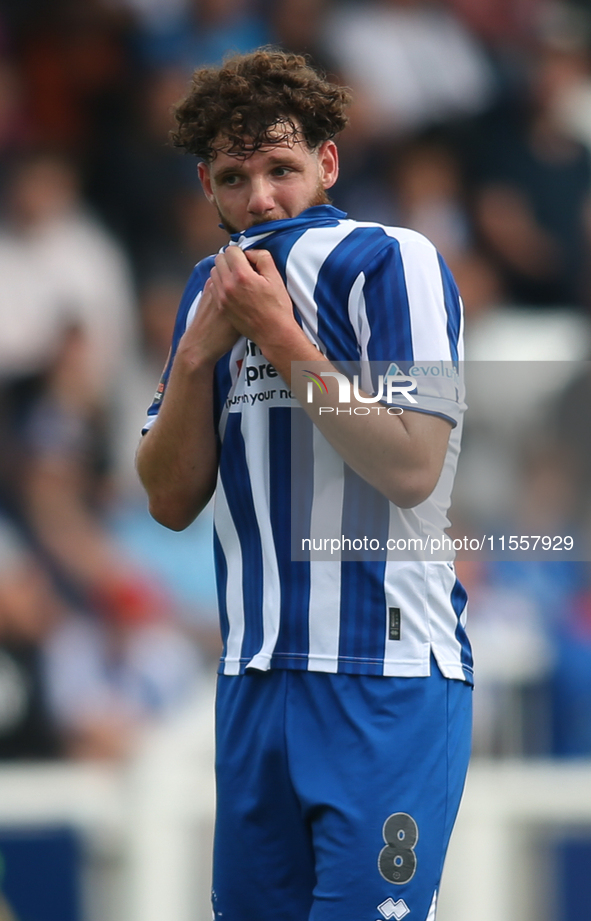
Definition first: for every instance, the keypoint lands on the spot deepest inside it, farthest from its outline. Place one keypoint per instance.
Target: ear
(205, 180)
(328, 162)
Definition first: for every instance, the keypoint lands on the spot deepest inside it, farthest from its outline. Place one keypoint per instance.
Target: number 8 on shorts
(397, 861)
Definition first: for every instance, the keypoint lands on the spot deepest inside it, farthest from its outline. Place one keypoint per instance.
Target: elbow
(177, 508)
(175, 517)
(413, 490)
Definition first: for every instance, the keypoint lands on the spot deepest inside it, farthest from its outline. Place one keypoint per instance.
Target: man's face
(276, 182)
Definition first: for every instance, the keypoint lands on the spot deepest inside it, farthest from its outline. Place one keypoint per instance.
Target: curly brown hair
(250, 96)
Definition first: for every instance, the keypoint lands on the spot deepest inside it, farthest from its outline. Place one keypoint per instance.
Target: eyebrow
(279, 159)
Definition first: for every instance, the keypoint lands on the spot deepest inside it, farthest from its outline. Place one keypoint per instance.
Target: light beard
(319, 198)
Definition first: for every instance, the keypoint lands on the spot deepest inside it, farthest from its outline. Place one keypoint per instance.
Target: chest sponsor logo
(258, 383)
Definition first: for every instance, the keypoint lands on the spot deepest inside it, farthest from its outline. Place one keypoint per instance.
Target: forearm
(177, 458)
(400, 455)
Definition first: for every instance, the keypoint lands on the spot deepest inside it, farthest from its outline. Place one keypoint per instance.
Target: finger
(221, 270)
(210, 295)
(262, 261)
(221, 279)
(233, 271)
(236, 261)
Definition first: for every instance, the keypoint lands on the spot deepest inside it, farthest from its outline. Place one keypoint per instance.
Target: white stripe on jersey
(303, 265)
(424, 287)
(325, 578)
(253, 426)
(228, 537)
(445, 644)
(359, 322)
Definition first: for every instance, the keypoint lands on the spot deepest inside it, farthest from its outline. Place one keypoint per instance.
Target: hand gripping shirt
(362, 292)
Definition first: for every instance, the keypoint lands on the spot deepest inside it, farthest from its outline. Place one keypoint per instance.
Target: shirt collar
(317, 215)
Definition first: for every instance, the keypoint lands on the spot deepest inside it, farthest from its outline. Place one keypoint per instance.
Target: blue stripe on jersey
(387, 307)
(221, 576)
(459, 599)
(291, 494)
(335, 280)
(222, 385)
(366, 513)
(452, 306)
(240, 502)
(363, 615)
(280, 245)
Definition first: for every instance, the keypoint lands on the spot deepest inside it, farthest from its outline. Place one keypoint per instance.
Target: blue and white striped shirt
(361, 292)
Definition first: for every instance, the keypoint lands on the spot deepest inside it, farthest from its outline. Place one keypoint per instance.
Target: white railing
(148, 827)
(496, 866)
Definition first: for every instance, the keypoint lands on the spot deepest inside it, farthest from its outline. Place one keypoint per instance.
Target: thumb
(262, 262)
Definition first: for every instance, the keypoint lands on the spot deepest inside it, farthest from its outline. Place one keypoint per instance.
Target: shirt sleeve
(186, 312)
(412, 313)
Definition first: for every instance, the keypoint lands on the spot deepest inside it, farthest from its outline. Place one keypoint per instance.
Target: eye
(230, 179)
(281, 171)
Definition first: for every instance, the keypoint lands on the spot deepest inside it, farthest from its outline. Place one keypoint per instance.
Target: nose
(261, 197)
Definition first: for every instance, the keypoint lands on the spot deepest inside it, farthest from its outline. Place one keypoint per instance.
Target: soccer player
(343, 700)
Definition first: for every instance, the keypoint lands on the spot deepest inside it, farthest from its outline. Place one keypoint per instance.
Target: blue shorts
(337, 794)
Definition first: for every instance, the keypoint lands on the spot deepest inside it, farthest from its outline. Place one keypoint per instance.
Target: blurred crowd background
(471, 124)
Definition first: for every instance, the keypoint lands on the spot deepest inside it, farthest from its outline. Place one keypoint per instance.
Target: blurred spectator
(411, 64)
(200, 233)
(512, 647)
(151, 14)
(524, 471)
(63, 476)
(298, 25)
(158, 303)
(75, 70)
(76, 685)
(571, 679)
(500, 22)
(480, 285)
(148, 192)
(15, 128)
(29, 610)
(109, 680)
(568, 30)
(430, 196)
(60, 268)
(533, 180)
(201, 32)
(531, 632)
(65, 333)
(419, 183)
(569, 624)
(182, 563)
(66, 309)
